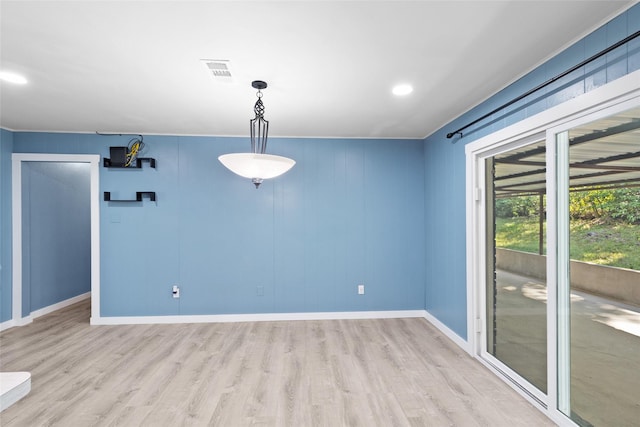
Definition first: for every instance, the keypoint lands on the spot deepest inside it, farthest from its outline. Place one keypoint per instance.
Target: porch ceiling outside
(604, 154)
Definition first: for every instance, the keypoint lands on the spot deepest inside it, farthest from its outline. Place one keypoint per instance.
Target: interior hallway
(391, 372)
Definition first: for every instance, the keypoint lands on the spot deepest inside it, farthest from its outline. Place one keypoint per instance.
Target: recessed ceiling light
(14, 78)
(402, 89)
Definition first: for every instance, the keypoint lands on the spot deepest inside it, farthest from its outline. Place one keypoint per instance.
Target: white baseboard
(13, 387)
(45, 310)
(16, 322)
(7, 324)
(448, 332)
(59, 305)
(261, 317)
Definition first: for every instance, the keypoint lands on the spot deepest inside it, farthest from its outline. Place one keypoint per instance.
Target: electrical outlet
(175, 291)
(360, 289)
(260, 291)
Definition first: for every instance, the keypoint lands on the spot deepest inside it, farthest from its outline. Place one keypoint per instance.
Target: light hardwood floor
(391, 372)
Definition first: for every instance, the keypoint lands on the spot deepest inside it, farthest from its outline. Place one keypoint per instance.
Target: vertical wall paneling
(354, 245)
(56, 224)
(140, 240)
(6, 148)
(633, 50)
(616, 60)
(347, 213)
(226, 233)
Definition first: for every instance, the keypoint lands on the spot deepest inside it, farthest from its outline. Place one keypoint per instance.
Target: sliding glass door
(598, 270)
(557, 236)
(516, 289)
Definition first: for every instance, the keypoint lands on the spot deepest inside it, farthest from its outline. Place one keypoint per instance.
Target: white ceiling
(134, 66)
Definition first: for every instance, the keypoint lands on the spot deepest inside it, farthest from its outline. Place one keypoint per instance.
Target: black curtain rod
(548, 82)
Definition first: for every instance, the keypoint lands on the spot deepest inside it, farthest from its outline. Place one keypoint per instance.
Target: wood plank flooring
(390, 372)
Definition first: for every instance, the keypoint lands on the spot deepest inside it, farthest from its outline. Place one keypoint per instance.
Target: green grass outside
(614, 244)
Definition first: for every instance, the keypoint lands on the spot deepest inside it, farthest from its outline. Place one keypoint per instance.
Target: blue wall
(6, 148)
(349, 212)
(445, 291)
(56, 226)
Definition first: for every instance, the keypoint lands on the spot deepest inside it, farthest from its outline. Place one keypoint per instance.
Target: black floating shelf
(136, 165)
(139, 196)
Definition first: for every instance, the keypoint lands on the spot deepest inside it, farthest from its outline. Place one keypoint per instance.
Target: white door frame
(16, 213)
(621, 94)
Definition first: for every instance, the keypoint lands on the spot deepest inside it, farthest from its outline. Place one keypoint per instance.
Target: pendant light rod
(259, 127)
(257, 165)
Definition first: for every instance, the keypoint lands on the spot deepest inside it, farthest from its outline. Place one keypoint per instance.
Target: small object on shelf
(118, 156)
(137, 164)
(139, 196)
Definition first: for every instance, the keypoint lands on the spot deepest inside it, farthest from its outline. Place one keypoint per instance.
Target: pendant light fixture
(257, 165)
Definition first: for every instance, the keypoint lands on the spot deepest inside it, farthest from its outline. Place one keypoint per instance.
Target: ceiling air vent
(219, 69)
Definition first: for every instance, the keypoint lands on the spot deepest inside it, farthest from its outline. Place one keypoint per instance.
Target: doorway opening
(44, 188)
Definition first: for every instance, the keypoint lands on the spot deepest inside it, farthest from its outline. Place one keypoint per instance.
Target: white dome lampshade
(257, 165)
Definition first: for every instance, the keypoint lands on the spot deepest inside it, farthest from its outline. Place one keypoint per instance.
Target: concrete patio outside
(605, 348)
